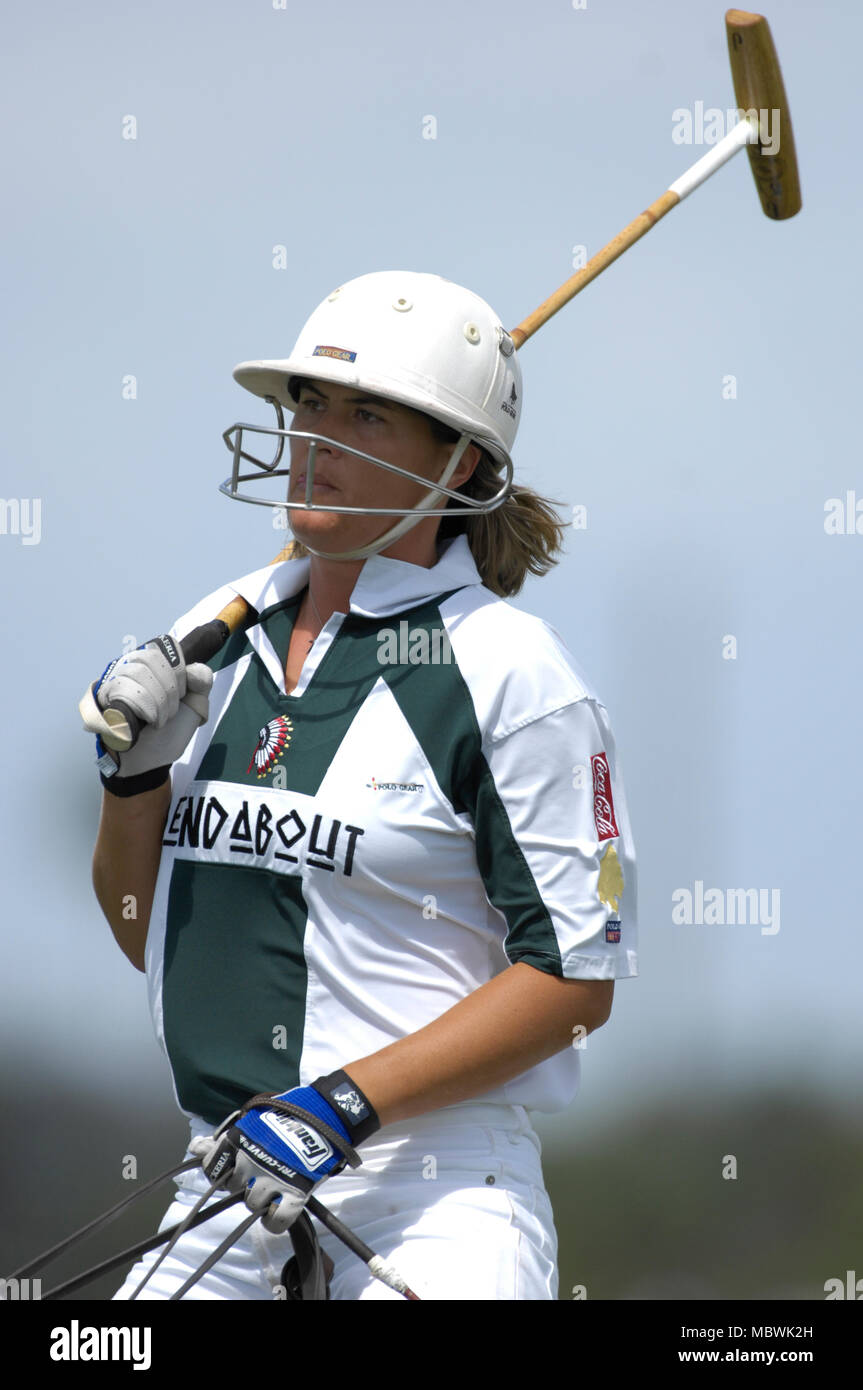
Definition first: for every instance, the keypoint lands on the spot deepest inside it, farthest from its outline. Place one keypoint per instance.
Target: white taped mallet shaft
(744, 133)
(725, 149)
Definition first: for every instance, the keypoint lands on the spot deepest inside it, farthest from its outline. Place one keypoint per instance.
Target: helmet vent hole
(402, 305)
(471, 332)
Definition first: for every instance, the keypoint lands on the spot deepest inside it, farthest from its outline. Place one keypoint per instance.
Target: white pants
(454, 1200)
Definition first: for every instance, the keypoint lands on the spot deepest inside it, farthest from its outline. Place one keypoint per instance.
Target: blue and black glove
(278, 1147)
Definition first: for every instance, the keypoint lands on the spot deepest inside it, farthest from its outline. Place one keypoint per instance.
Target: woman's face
(385, 429)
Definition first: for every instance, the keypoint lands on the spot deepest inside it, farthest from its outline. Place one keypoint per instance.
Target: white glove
(169, 696)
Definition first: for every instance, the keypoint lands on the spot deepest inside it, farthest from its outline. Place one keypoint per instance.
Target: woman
(390, 877)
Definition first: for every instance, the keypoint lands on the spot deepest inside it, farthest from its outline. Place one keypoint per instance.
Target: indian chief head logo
(272, 742)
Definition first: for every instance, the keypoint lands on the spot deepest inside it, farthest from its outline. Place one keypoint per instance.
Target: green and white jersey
(438, 798)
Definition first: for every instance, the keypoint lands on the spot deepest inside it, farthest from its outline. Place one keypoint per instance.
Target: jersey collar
(384, 587)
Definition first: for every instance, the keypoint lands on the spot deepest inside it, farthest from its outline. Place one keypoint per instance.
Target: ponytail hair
(524, 535)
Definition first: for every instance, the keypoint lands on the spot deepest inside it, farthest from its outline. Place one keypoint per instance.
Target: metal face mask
(234, 438)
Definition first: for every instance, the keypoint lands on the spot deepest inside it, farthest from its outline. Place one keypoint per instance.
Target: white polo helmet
(414, 338)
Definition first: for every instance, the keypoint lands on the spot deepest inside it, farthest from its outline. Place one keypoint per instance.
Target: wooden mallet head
(759, 90)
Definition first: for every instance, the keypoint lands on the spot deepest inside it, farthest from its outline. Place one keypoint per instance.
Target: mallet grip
(202, 643)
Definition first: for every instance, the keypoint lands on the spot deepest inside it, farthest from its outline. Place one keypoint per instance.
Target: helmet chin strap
(406, 523)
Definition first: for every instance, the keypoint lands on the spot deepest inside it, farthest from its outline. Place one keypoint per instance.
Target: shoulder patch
(603, 805)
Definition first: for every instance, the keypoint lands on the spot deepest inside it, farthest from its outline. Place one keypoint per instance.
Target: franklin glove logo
(310, 1148)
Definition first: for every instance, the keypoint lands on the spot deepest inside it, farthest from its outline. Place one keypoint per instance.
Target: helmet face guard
(234, 438)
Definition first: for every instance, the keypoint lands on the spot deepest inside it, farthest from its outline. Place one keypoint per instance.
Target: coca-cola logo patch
(603, 805)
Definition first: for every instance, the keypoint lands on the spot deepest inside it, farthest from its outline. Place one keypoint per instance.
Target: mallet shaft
(595, 266)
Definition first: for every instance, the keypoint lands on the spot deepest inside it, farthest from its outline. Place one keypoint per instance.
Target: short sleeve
(554, 844)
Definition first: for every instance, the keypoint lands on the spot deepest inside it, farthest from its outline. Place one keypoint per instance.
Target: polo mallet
(378, 1267)
(760, 94)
